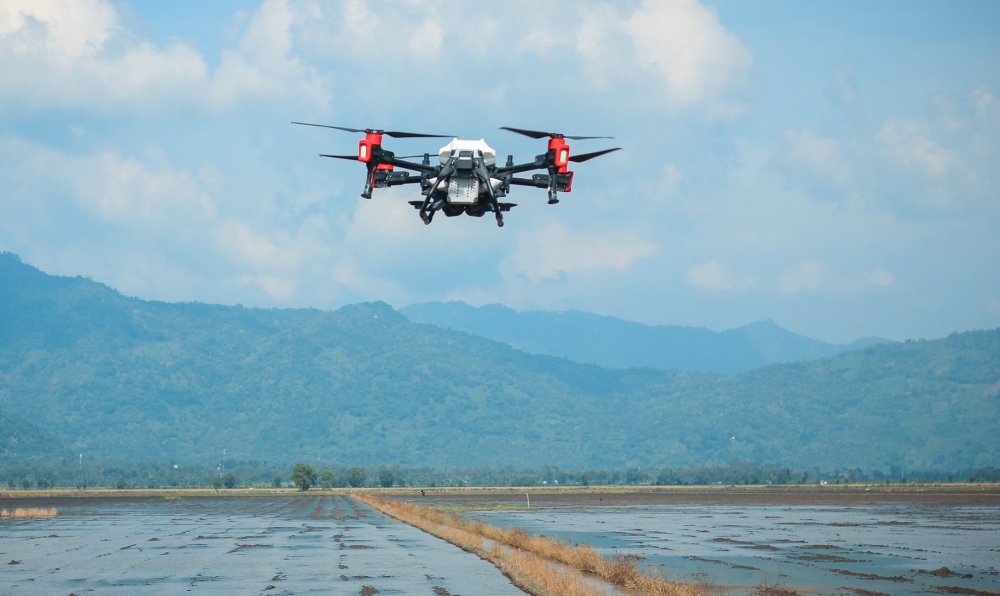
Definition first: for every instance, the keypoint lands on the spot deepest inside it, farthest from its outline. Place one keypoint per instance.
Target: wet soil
(810, 541)
(263, 545)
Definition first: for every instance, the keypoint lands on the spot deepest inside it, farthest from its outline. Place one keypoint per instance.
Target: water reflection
(303, 544)
(862, 549)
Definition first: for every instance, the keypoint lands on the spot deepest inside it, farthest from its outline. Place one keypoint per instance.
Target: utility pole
(223, 461)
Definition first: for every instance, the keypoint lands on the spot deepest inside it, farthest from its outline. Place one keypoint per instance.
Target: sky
(832, 166)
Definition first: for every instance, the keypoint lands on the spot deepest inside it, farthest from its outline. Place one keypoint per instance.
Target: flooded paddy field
(840, 543)
(238, 545)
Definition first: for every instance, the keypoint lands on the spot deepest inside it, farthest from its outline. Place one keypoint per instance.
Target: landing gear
(499, 219)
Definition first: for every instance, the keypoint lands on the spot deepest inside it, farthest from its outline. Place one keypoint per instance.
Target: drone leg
(369, 183)
(484, 177)
(552, 196)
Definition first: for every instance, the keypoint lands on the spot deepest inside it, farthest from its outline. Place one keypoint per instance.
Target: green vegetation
(131, 476)
(303, 476)
(85, 370)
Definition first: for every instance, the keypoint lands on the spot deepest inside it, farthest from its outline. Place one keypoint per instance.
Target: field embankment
(534, 562)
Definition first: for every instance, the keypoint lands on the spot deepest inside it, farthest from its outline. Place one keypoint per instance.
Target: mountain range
(86, 370)
(612, 342)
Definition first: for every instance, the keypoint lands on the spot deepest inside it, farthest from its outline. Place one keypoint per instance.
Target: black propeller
(389, 133)
(586, 156)
(536, 134)
(355, 157)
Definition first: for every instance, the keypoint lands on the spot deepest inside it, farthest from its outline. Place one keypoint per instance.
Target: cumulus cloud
(717, 276)
(77, 54)
(553, 251)
(684, 43)
(806, 276)
(820, 156)
(673, 52)
(908, 143)
(880, 277)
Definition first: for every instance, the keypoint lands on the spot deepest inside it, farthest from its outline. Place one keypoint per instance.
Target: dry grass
(22, 513)
(534, 554)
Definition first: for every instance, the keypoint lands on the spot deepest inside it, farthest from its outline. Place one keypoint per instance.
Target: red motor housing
(559, 145)
(365, 146)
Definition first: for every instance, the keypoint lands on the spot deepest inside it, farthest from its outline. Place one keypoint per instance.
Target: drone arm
(381, 156)
(406, 165)
(398, 179)
(541, 161)
(538, 181)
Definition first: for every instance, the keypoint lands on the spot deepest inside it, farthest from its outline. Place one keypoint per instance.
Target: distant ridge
(616, 343)
(87, 370)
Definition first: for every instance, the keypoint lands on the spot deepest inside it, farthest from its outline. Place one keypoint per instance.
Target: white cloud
(908, 143)
(66, 54)
(280, 289)
(553, 251)
(843, 79)
(715, 276)
(671, 177)
(880, 277)
(806, 276)
(984, 101)
(820, 156)
(684, 43)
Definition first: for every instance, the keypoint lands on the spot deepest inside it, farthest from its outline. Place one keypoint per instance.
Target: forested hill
(613, 342)
(84, 369)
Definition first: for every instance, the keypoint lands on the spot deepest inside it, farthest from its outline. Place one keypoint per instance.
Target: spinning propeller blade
(350, 157)
(413, 135)
(537, 134)
(389, 133)
(328, 126)
(586, 156)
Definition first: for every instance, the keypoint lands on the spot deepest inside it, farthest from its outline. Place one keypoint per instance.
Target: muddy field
(268, 545)
(812, 541)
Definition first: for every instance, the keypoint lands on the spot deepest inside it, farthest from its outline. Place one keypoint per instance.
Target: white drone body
(465, 190)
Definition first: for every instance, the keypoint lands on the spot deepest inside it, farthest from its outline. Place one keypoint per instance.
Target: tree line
(245, 474)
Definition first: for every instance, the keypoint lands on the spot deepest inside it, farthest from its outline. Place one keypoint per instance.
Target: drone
(466, 179)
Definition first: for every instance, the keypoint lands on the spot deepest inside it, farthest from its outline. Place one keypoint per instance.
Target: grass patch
(529, 559)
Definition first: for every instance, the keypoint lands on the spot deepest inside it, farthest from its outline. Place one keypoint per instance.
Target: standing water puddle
(271, 545)
(887, 548)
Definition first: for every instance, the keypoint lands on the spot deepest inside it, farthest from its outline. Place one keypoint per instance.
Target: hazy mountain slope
(116, 377)
(613, 342)
(776, 344)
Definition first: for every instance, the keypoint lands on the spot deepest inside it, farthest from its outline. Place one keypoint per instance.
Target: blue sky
(833, 167)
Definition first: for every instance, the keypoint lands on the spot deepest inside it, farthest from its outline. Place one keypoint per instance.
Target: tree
(303, 476)
(327, 479)
(10, 482)
(385, 477)
(121, 484)
(276, 483)
(355, 477)
(585, 479)
(217, 483)
(229, 480)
